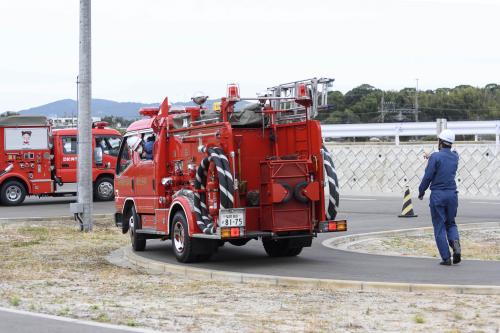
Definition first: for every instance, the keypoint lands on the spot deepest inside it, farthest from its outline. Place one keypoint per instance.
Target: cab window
(148, 141)
(110, 144)
(69, 145)
(124, 157)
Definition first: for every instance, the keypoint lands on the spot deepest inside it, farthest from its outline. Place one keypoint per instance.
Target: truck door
(66, 158)
(145, 192)
(124, 176)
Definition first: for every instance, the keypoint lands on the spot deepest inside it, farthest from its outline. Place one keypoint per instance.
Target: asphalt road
(48, 207)
(25, 322)
(364, 214)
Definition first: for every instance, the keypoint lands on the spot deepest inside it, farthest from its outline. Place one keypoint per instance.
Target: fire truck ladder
(319, 94)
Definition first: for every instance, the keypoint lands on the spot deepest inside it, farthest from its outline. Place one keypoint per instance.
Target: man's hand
(421, 196)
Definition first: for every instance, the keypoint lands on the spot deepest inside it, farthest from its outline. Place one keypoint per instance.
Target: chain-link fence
(373, 169)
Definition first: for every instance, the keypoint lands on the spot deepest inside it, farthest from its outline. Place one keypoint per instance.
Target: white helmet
(447, 135)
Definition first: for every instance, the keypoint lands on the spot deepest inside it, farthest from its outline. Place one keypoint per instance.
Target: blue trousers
(444, 206)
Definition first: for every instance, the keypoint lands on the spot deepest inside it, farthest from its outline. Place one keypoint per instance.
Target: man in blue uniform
(148, 147)
(440, 175)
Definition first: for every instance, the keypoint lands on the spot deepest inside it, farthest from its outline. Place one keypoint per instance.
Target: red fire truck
(202, 179)
(36, 160)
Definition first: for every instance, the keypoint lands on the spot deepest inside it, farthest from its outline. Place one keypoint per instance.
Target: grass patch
(15, 301)
(131, 323)
(102, 317)
(419, 319)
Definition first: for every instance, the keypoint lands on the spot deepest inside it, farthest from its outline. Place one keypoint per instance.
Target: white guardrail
(411, 129)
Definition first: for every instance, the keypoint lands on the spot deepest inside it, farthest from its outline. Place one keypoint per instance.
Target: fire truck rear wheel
(13, 193)
(104, 189)
(280, 248)
(138, 240)
(182, 244)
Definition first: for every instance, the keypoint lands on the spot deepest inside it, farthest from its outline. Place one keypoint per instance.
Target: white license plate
(234, 217)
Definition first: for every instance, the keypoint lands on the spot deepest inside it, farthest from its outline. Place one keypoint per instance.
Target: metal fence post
(497, 138)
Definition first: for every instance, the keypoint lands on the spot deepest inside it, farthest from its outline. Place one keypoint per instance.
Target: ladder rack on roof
(319, 94)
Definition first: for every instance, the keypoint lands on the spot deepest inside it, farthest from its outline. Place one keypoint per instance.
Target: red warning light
(301, 91)
(233, 92)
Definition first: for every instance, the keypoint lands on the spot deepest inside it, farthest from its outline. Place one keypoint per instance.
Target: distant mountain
(100, 108)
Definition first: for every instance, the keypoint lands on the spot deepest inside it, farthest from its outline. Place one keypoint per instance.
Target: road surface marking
(486, 202)
(359, 199)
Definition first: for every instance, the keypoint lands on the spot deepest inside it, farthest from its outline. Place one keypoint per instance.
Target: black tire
(12, 193)
(182, 244)
(294, 251)
(289, 193)
(297, 192)
(280, 248)
(332, 183)
(104, 189)
(138, 240)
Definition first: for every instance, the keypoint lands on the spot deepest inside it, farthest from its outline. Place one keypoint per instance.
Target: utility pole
(85, 120)
(416, 102)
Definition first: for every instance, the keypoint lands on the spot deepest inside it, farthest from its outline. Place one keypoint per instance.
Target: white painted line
(486, 202)
(359, 199)
(77, 321)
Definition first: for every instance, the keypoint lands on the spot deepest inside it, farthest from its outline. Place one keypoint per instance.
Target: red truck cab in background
(36, 160)
(205, 179)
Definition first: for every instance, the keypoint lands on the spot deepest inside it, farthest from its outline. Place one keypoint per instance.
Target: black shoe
(446, 262)
(457, 251)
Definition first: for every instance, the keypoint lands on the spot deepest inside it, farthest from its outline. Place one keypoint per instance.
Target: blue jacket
(440, 171)
(148, 148)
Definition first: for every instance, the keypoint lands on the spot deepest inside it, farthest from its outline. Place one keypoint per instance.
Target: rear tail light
(232, 232)
(333, 226)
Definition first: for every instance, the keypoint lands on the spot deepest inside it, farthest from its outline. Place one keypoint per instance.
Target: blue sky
(146, 50)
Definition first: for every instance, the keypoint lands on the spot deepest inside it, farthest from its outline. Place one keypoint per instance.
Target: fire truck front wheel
(104, 189)
(13, 193)
(138, 240)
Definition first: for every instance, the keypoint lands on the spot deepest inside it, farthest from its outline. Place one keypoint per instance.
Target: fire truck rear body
(214, 180)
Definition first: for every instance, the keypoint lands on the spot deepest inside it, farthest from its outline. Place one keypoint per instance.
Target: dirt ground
(483, 244)
(55, 269)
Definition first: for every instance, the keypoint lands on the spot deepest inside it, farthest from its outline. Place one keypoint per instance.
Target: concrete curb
(153, 266)
(343, 242)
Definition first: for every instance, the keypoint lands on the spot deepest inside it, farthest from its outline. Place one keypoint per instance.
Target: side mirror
(98, 156)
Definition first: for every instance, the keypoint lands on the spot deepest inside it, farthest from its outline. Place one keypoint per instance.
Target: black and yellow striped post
(407, 210)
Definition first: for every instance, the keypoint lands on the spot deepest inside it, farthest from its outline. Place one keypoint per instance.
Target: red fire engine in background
(36, 160)
(204, 179)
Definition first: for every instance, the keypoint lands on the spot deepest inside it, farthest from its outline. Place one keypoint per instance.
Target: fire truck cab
(36, 160)
(202, 179)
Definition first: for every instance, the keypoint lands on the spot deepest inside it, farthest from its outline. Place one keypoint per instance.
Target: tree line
(367, 104)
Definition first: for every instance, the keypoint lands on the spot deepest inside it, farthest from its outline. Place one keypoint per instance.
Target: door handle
(132, 183)
(65, 165)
